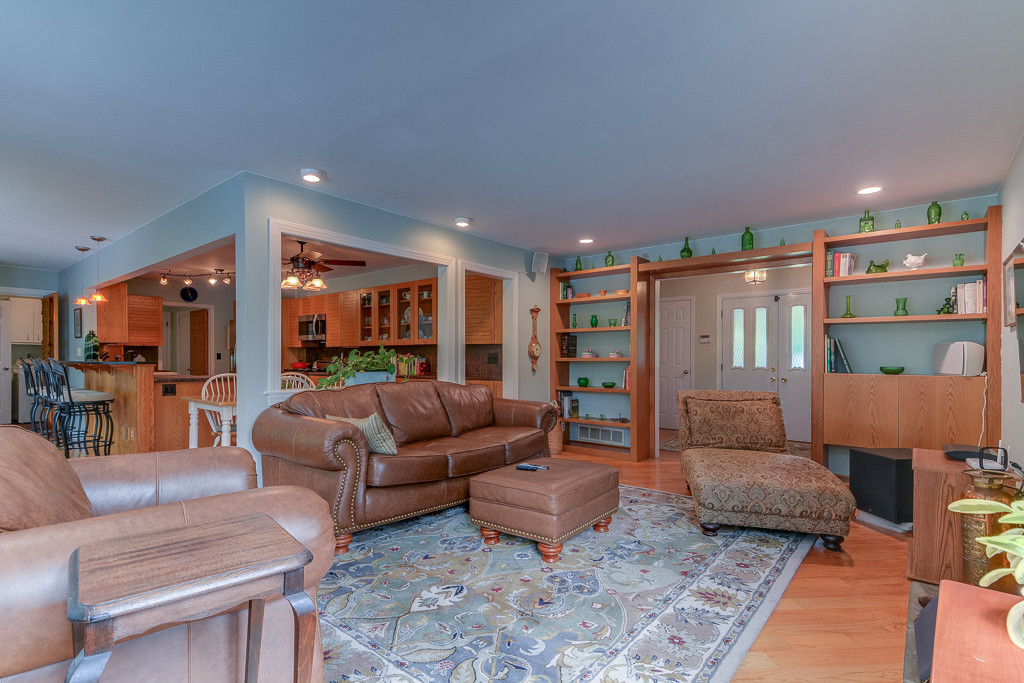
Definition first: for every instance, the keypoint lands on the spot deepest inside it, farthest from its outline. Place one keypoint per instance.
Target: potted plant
(361, 368)
(1010, 542)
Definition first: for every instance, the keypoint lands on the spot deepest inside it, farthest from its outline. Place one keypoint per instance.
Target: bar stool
(82, 417)
(29, 382)
(34, 370)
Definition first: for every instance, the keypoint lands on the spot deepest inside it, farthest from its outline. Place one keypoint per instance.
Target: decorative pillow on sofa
(753, 425)
(469, 407)
(376, 432)
(37, 485)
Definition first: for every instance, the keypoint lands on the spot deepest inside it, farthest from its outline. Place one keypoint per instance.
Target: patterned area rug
(801, 448)
(652, 600)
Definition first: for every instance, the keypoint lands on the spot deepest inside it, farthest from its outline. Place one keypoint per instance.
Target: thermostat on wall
(704, 339)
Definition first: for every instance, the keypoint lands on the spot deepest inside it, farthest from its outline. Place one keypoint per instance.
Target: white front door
(766, 346)
(181, 356)
(6, 373)
(675, 340)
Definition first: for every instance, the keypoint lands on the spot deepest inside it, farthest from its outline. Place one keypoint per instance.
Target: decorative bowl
(301, 366)
(583, 381)
(602, 292)
(622, 291)
(608, 385)
(583, 295)
(892, 369)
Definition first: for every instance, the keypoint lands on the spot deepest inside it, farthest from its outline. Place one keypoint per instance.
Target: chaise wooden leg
(548, 552)
(710, 529)
(491, 536)
(602, 525)
(341, 543)
(832, 542)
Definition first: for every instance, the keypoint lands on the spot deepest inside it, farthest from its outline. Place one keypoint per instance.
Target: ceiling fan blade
(309, 254)
(319, 267)
(342, 262)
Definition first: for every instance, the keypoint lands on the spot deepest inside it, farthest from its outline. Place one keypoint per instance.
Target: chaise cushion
(469, 407)
(753, 424)
(413, 411)
(355, 401)
(40, 489)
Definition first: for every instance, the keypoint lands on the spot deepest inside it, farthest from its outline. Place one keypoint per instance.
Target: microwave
(312, 328)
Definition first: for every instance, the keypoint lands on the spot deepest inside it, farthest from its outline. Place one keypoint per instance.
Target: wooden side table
(127, 586)
(971, 643)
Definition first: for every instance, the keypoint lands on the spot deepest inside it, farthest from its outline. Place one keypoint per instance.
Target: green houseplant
(380, 362)
(1011, 542)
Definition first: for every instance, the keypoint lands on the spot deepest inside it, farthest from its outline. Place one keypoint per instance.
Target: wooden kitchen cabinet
(351, 321)
(112, 316)
(332, 311)
(129, 319)
(383, 314)
(291, 311)
(483, 309)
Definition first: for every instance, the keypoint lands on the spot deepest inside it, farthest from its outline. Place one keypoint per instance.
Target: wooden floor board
(842, 617)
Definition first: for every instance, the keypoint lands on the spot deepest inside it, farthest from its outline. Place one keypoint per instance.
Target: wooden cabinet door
(293, 308)
(332, 311)
(350, 318)
(405, 313)
(198, 326)
(425, 331)
(112, 316)
(479, 309)
(939, 409)
(145, 320)
(862, 410)
(383, 314)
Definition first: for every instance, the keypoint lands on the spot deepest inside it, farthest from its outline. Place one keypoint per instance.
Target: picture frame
(1009, 293)
(78, 323)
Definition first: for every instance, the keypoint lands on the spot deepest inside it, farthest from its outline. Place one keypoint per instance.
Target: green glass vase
(579, 263)
(574, 321)
(934, 213)
(849, 313)
(901, 306)
(593, 320)
(867, 223)
(609, 260)
(747, 240)
(686, 252)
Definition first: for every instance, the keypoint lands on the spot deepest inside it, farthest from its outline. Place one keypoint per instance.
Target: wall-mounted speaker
(540, 262)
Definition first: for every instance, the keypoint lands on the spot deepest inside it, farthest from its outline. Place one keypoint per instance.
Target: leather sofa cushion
(355, 401)
(468, 407)
(37, 485)
(467, 455)
(520, 443)
(745, 420)
(413, 410)
(412, 465)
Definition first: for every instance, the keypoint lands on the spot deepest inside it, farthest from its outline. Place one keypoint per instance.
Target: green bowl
(892, 369)
(608, 385)
(583, 381)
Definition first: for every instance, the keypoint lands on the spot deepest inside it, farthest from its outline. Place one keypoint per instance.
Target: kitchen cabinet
(383, 314)
(129, 319)
(351, 321)
(332, 309)
(483, 309)
(26, 320)
(292, 311)
(493, 384)
(414, 312)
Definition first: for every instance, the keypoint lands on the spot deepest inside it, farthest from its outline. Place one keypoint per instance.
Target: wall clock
(189, 294)
(534, 348)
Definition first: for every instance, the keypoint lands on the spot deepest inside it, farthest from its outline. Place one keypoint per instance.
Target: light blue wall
(1011, 195)
(15, 279)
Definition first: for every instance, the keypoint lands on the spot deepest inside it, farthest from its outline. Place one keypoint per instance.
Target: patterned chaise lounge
(734, 457)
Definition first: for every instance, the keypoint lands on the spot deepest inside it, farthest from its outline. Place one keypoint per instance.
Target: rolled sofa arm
(117, 483)
(516, 413)
(309, 441)
(35, 630)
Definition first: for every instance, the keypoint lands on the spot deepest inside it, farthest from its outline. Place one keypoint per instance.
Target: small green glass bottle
(849, 313)
(897, 226)
(747, 240)
(934, 213)
(574, 321)
(867, 223)
(782, 242)
(964, 216)
(609, 260)
(686, 252)
(579, 263)
(901, 306)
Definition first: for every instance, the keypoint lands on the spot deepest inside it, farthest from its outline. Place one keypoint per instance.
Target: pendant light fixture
(97, 297)
(81, 300)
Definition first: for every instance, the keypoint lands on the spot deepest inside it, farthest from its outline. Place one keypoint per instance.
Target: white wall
(1011, 195)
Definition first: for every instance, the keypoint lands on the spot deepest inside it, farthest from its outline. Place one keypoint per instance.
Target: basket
(555, 438)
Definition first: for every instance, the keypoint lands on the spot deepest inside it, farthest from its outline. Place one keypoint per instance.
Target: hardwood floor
(842, 617)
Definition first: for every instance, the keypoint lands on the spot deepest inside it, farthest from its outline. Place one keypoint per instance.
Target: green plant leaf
(993, 576)
(1016, 517)
(1017, 504)
(1018, 573)
(977, 506)
(1011, 544)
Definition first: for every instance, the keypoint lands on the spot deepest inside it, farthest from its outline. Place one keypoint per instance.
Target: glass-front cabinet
(414, 312)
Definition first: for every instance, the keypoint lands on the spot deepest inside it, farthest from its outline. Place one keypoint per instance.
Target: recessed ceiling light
(869, 190)
(463, 221)
(586, 240)
(311, 175)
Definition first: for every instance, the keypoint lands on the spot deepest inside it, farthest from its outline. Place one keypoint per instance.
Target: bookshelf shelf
(592, 300)
(885, 319)
(626, 359)
(599, 390)
(575, 330)
(906, 275)
(883, 236)
(565, 276)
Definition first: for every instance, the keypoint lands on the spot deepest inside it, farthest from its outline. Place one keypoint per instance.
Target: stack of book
(970, 297)
(568, 346)
(839, 263)
(569, 405)
(835, 356)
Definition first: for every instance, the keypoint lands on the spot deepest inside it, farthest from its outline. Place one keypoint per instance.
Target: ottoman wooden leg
(710, 529)
(549, 553)
(602, 526)
(341, 543)
(832, 543)
(490, 535)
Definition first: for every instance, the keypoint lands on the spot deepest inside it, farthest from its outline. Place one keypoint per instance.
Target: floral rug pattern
(652, 600)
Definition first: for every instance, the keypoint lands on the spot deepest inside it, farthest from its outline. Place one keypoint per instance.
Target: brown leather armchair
(49, 506)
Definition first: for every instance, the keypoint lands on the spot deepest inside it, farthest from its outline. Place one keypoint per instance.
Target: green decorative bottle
(686, 252)
(901, 306)
(609, 260)
(579, 263)
(92, 346)
(659, 258)
(934, 213)
(897, 226)
(712, 251)
(782, 242)
(958, 260)
(574, 321)
(849, 313)
(867, 223)
(747, 240)
(964, 216)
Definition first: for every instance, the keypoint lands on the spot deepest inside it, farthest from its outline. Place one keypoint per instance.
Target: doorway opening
(187, 347)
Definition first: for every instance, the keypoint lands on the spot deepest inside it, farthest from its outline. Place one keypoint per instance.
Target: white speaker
(540, 262)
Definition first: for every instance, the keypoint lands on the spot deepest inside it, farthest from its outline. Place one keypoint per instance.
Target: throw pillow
(37, 485)
(754, 425)
(376, 432)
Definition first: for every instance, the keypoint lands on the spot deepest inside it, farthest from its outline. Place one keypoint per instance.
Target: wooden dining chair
(296, 380)
(222, 387)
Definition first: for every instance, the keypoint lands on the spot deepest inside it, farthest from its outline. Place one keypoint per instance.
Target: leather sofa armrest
(517, 413)
(310, 441)
(35, 630)
(117, 483)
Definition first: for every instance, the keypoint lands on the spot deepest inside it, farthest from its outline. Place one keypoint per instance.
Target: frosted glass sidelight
(760, 337)
(737, 337)
(796, 337)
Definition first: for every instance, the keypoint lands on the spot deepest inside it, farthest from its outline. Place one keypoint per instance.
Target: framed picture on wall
(78, 323)
(1009, 293)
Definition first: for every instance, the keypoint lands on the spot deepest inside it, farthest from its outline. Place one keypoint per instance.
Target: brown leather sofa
(49, 506)
(445, 433)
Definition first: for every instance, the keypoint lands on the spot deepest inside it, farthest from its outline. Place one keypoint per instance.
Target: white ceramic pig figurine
(914, 262)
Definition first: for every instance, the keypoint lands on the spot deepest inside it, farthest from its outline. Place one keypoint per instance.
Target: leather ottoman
(547, 506)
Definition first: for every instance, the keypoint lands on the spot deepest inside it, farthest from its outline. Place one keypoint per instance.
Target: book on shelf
(574, 407)
(971, 297)
(983, 284)
(842, 263)
(844, 362)
(829, 270)
(568, 342)
(835, 356)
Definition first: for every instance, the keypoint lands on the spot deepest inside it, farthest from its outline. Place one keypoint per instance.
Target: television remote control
(530, 468)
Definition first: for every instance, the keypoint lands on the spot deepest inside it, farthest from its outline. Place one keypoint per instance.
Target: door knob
(771, 379)
(686, 372)
(783, 379)
(771, 369)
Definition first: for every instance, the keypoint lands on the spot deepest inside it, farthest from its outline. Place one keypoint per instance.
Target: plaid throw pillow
(375, 431)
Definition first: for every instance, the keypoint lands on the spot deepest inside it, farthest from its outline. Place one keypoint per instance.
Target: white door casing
(675, 356)
(6, 372)
(181, 356)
